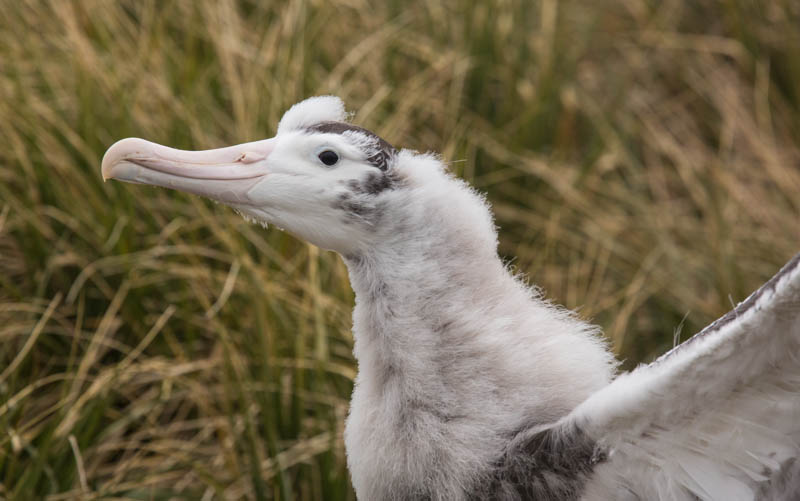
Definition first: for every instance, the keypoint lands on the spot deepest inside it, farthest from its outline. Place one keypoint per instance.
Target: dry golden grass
(642, 159)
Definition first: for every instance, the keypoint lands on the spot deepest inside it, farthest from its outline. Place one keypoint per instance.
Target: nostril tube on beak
(249, 157)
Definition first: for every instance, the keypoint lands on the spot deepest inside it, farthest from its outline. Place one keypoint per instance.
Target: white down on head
(470, 385)
(312, 111)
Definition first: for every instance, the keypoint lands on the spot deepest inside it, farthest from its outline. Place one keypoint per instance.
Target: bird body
(470, 385)
(455, 355)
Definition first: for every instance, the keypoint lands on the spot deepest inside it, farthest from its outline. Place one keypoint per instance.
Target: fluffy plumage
(455, 355)
(470, 384)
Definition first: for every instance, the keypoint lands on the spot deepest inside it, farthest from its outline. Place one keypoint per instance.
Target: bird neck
(412, 299)
(431, 386)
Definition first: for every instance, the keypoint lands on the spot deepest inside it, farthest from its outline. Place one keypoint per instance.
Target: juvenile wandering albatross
(470, 385)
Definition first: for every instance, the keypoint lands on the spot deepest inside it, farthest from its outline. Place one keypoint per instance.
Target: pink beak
(224, 174)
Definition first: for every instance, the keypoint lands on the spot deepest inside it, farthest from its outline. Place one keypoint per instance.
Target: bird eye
(328, 157)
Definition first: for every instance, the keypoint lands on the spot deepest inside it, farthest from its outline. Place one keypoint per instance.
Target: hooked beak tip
(119, 152)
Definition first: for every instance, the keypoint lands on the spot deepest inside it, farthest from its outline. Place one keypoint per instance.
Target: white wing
(716, 418)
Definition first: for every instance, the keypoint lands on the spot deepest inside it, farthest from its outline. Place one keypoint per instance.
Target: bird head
(319, 178)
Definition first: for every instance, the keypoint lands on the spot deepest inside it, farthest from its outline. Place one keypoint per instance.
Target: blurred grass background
(641, 157)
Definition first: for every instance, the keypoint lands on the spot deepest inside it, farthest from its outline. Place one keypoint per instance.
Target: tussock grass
(642, 159)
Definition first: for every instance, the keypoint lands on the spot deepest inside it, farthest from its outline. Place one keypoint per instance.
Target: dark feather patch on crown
(380, 155)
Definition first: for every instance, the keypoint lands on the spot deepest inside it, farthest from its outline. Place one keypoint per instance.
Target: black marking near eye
(376, 183)
(380, 156)
(358, 210)
(373, 183)
(328, 157)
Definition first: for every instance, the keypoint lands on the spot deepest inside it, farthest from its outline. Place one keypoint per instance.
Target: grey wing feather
(718, 417)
